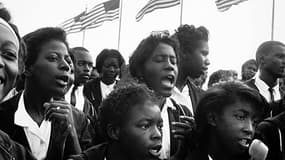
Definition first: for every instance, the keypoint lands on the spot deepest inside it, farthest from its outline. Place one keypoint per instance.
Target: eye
(160, 125)
(144, 126)
(52, 58)
(9, 55)
(240, 117)
(80, 63)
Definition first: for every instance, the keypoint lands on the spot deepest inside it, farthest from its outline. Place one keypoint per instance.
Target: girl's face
(9, 48)
(51, 72)
(235, 127)
(110, 70)
(160, 70)
(142, 125)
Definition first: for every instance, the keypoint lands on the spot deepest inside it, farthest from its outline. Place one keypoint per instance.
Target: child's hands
(181, 129)
(60, 113)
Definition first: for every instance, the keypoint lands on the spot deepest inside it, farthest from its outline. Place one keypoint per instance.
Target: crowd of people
(56, 104)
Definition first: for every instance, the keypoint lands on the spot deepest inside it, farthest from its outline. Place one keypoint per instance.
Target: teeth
(244, 142)
(154, 152)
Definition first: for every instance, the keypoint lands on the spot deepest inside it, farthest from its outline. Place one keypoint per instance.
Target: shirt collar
(263, 85)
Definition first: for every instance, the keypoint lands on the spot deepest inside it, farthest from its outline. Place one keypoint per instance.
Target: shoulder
(11, 104)
(251, 83)
(97, 152)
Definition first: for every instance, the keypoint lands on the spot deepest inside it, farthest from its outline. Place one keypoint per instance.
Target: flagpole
(181, 11)
(120, 23)
(83, 33)
(272, 20)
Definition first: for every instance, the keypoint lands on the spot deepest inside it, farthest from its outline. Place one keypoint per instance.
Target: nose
(249, 127)
(207, 61)
(64, 65)
(169, 64)
(156, 135)
(87, 68)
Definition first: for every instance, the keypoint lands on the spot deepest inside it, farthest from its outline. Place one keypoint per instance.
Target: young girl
(154, 63)
(39, 118)
(108, 65)
(131, 122)
(226, 120)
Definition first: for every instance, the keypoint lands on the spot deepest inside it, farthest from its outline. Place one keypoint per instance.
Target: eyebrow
(9, 43)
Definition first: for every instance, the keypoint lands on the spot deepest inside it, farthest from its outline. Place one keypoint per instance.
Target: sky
(234, 34)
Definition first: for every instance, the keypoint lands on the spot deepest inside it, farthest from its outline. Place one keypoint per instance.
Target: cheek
(11, 70)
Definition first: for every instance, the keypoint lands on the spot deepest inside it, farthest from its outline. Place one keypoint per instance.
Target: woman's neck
(34, 101)
(216, 151)
(181, 81)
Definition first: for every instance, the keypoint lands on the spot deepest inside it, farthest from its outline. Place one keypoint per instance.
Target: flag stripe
(106, 11)
(224, 5)
(155, 4)
(106, 17)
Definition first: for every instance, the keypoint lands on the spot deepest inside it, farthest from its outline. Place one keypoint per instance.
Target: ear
(212, 119)
(261, 60)
(28, 71)
(113, 131)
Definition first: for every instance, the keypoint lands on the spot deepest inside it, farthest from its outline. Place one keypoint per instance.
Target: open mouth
(168, 81)
(244, 142)
(155, 151)
(62, 80)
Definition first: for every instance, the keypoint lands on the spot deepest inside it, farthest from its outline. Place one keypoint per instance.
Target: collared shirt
(263, 89)
(182, 98)
(79, 97)
(165, 150)
(106, 89)
(38, 137)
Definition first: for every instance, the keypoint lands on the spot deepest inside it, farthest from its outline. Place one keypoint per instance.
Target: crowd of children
(149, 109)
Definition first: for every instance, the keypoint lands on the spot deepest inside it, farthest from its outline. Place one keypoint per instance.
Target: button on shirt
(79, 97)
(263, 90)
(38, 137)
(106, 89)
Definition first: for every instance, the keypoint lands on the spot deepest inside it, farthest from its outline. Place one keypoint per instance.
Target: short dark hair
(120, 101)
(189, 37)
(35, 40)
(75, 50)
(108, 53)
(219, 75)
(265, 48)
(246, 63)
(145, 50)
(222, 95)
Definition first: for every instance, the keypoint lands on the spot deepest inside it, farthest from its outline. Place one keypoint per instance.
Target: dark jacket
(92, 90)
(100, 152)
(173, 115)
(269, 108)
(195, 93)
(16, 133)
(272, 132)
(10, 150)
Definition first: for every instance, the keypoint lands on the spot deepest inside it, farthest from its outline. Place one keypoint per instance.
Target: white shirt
(38, 137)
(263, 89)
(182, 98)
(165, 150)
(106, 89)
(79, 97)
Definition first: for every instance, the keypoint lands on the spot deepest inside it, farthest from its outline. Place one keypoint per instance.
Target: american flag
(155, 4)
(73, 25)
(224, 5)
(95, 17)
